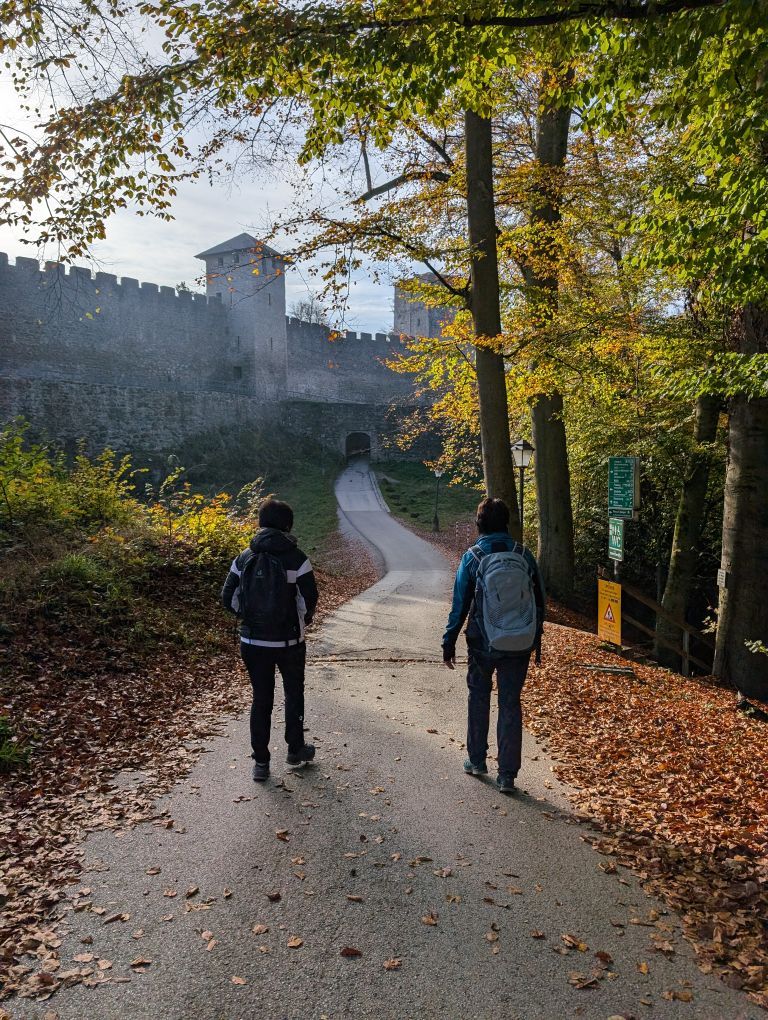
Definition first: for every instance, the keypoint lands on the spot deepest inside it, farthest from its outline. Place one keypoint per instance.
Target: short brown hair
(274, 513)
(492, 515)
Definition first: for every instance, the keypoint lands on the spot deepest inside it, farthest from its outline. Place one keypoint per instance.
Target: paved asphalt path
(386, 815)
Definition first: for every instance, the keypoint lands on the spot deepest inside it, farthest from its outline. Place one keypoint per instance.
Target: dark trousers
(510, 677)
(260, 663)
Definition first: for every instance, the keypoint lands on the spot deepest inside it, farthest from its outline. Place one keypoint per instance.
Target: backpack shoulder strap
(477, 552)
(246, 557)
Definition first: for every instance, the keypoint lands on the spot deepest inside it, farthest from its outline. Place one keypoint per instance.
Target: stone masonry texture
(132, 365)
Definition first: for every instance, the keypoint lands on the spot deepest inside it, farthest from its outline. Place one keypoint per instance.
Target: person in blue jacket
(510, 667)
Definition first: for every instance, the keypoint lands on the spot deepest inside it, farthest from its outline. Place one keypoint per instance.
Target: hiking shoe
(506, 784)
(475, 770)
(260, 772)
(304, 754)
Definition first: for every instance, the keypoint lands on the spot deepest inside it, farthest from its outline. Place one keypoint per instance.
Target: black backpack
(266, 600)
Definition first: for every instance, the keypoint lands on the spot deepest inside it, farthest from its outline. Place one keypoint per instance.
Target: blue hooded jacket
(464, 593)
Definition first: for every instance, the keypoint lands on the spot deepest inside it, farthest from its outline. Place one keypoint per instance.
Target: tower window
(220, 260)
(236, 258)
(238, 372)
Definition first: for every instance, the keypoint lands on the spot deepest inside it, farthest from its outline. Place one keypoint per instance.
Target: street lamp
(438, 476)
(522, 451)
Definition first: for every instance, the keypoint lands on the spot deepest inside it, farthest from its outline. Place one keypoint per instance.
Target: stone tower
(249, 276)
(415, 318)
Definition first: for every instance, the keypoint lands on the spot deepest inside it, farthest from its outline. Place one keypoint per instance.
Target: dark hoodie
(300, 576)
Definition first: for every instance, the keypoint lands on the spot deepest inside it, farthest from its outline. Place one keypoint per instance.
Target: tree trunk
(553, 480)
(498, 469)
(687, 537)
(553, 496)
(743, 612)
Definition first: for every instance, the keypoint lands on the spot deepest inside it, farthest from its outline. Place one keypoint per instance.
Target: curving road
(470, 891)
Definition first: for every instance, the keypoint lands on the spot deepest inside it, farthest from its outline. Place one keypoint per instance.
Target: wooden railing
(687, 631)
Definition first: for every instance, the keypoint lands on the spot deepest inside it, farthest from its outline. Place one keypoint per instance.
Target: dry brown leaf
(239, 981)
(283, 834)
(429, 919)
(394, 964)
(574, 943)
(354, 898)
(294, 942)
(350, 951)
(260, 929)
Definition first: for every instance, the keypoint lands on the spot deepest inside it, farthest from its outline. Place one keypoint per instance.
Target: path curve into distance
(386, 849)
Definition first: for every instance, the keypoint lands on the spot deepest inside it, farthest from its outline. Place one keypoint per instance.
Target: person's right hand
(449, 658)
(449, 663)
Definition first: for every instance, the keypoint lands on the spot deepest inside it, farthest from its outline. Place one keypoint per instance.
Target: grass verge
(409, 489)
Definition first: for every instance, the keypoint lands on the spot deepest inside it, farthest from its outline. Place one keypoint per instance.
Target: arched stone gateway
(358, 444)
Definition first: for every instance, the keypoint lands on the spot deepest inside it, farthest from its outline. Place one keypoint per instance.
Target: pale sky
(155, 251)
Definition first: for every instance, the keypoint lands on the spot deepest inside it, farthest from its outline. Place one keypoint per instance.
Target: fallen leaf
(354, 898)
(574, 943)
(294, 942)
(239, 981)
(492, 936)
(141, 961)
(681, 995)
(274, 897)
(260, 929)
(394, 964)
(193, 890)
(536, 934)
(643, 967)
(582, 980)
(283, 834)
(430, 919)
(349, 951)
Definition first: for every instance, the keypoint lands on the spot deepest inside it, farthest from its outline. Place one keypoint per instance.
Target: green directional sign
(616, 539)
(623, 487)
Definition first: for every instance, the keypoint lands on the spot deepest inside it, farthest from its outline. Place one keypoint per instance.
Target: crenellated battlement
(118, 360)
(313, 331)
(27, 270)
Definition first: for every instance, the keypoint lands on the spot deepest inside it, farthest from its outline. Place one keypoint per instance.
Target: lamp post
(438, 476)
(522, 451)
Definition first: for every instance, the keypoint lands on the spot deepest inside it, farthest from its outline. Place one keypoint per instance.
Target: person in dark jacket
(510, 668)
(273, 635)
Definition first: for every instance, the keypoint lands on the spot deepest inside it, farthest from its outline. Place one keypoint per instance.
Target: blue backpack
(505, 601)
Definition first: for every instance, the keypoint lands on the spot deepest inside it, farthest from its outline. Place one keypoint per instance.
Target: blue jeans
(510, 676)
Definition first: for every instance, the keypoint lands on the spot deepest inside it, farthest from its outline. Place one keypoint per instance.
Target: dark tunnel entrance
(358, 445)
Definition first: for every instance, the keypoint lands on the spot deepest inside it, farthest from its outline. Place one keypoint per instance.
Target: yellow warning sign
(609, 611)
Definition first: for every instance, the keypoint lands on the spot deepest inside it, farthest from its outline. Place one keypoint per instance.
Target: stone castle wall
(133, 365)
(347, 368)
